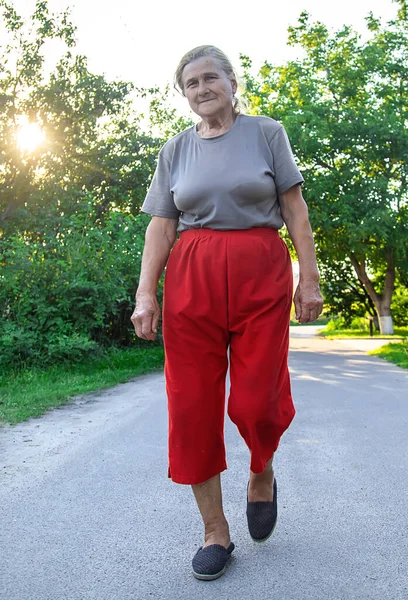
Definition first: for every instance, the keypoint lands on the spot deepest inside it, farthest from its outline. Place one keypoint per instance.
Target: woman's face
(207, 87)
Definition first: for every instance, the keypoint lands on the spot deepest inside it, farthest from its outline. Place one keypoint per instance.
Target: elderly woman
(226, 185)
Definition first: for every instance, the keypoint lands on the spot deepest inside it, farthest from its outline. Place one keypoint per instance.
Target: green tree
(344, 295)
(71, 232)
(345, 107)
(91, 135)
(163, 117)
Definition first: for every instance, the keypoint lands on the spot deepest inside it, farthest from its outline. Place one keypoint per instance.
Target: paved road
(88, 513)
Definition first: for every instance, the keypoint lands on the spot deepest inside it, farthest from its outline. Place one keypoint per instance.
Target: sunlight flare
(29, 136)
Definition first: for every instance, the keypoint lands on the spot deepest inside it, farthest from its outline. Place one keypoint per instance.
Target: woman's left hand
(308, 301)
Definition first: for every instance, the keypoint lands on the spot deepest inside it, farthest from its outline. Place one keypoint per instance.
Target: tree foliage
(345, 107)
(71, 232)
(93, 139)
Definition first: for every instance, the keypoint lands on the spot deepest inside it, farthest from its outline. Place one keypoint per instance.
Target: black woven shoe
(262, 517)
(210, 562)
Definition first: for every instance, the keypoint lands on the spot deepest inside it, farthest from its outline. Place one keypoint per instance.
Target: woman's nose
(202, 87)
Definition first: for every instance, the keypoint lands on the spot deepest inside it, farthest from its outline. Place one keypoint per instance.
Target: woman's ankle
(260, 487)
(217, 533)
(265, 477)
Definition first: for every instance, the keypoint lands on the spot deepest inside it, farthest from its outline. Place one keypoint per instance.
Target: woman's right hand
(146, 316)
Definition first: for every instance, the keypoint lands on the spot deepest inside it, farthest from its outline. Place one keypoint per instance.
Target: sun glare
(29, 136)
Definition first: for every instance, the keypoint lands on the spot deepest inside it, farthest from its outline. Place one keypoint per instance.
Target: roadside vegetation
(394, 353)
(359, 328)
(338, 328)
(31, 392)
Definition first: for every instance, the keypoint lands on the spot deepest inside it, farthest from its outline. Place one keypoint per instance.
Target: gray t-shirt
(232, 181)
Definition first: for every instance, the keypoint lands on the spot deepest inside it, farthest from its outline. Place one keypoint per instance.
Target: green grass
(357, 334)
(320, 321)
(30, 393)
(394, 353)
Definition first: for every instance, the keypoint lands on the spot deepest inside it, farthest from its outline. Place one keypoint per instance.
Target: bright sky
(143, 42)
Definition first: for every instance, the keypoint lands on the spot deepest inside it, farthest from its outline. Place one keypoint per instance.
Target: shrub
(399, 306)
(360, 323)
(335, 324)
(66, 293)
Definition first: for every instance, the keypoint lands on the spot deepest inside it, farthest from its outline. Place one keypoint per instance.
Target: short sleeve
(286, 171)
(159, 199)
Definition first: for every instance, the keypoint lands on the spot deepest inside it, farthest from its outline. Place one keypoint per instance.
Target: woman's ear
(234, 87)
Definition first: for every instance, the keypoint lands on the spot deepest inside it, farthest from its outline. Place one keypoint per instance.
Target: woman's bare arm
(308, 300)
(160, 236)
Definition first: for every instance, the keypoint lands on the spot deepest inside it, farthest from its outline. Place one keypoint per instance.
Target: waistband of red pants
(254, 232)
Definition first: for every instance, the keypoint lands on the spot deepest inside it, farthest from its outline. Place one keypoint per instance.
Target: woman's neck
(216, 125)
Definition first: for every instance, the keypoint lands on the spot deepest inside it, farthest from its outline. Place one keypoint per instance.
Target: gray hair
(226, 66)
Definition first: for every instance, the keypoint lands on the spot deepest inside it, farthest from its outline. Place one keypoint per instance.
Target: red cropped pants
(226, 289)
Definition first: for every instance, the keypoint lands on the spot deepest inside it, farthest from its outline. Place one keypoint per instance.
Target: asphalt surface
(87, 511)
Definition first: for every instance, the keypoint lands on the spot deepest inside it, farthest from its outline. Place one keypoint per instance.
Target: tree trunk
(382, 302)
(385, 319)
(386, 326)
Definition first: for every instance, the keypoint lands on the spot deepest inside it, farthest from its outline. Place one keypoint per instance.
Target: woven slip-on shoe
(262, 517)
(210, 562)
